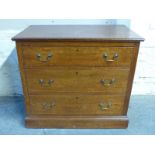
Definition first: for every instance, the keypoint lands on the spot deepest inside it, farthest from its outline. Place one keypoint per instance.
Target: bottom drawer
(77, 104)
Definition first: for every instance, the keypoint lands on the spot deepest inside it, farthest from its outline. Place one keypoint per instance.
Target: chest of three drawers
(77, 84)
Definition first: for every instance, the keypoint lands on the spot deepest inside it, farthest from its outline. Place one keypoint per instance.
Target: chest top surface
(78, 32)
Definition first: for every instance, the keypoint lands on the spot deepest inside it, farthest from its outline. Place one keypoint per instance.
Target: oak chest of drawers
(77, 76)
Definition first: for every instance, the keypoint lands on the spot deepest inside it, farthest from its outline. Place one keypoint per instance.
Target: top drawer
(77, 56)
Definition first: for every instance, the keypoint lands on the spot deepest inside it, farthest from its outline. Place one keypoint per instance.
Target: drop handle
(106, 57)
(50, 82)
(48, 105)
(107, 82)
(43, 58)
(45, 83)
(105, 106)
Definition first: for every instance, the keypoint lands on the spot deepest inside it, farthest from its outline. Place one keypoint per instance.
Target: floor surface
(141, 115)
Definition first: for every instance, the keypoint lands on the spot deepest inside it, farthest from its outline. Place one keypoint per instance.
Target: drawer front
(106, 80)
(76, 56)
(77, 104)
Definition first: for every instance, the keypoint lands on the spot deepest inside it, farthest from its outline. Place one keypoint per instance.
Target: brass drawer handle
(107, 82)
(47, 105)
(43, 83)
(44, 58)
(105, 57)
(50, 82)
(105, 106)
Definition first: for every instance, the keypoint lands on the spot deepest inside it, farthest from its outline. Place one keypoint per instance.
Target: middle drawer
(100, 79)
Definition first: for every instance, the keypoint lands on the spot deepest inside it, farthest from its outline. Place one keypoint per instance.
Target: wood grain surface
(76, 104)
(77, 80)
(78, 32)
(77, 56)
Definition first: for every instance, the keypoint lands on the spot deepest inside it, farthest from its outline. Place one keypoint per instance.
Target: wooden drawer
(76, 56)
(105, 80)
(77, 104)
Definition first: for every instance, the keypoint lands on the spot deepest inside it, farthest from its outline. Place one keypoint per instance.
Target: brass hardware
(105, 106)
(107, 82)
(45, 58)
(115, 57)
(50, 82)
(42, 82)
(47, 106)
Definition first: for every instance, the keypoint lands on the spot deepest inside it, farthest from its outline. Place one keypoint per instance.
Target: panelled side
(131, 77)
(22, 73)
